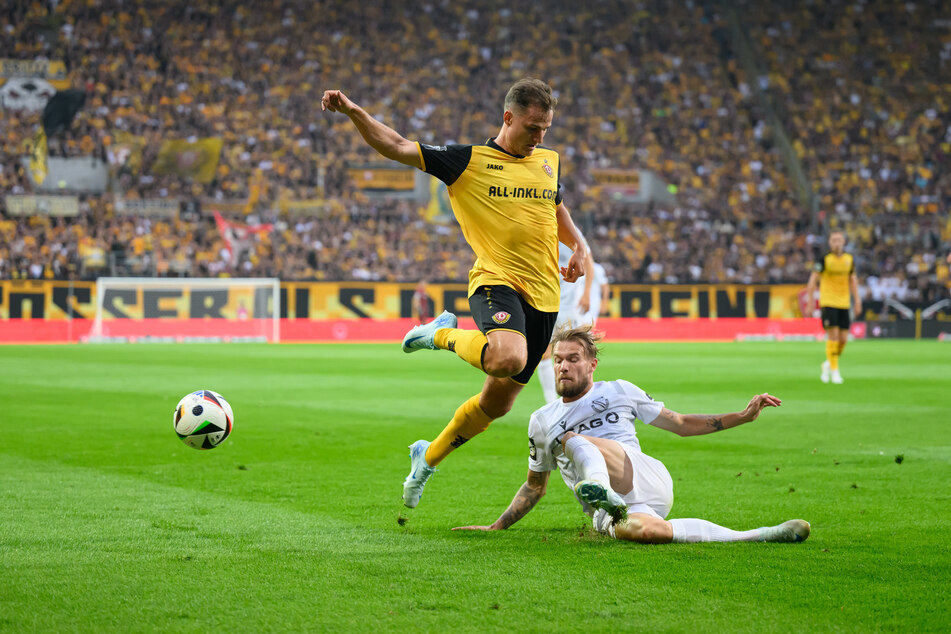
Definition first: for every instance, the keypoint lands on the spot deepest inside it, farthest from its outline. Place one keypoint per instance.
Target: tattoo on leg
(716, 423)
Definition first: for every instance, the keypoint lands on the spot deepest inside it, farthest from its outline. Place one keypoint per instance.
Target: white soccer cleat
(601, 497)
(420, 337)
(837, 378)
(826, 372)
(419, 472)
(792, 531)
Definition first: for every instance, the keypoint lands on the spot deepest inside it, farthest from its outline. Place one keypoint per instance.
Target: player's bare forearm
(384, 139)
(699, 424)
(568, 232)
(379, 136)
(524, 501)
(570, 235)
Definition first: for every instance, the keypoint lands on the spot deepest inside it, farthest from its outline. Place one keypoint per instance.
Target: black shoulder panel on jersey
(558, 196)
(495, 146)
(446, 162)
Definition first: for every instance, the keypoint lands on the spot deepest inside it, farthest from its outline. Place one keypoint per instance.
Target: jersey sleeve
(820, 265)
(558, 195)
(645, 407)
(445, 162)
(540, 459)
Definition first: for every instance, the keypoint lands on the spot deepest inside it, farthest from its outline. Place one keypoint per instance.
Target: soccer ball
(203, 419)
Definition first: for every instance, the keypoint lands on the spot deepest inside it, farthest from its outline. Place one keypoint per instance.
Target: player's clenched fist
(336, 101)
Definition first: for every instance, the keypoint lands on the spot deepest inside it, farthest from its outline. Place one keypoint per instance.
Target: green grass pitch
(109, 523)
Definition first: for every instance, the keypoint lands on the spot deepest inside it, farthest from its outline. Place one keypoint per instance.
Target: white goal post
(146, 309)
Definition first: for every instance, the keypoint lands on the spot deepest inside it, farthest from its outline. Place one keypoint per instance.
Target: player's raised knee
(565, 437)
(503, 363)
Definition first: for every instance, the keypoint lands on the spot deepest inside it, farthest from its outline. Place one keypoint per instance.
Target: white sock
(693, 530)
(546, 376)
(588, 460)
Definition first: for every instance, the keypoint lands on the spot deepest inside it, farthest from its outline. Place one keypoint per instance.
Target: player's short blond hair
(529, 92)
(585, 336)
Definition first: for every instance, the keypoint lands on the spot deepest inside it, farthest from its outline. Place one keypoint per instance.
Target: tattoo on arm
(716, 422)
(525, 500)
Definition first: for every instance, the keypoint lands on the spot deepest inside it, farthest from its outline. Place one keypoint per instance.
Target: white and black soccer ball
(203, 419)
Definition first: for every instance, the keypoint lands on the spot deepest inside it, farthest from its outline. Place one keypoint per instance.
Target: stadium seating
(659, 88)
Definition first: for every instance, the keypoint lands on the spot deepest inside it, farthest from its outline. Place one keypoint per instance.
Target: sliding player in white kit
(589, 436)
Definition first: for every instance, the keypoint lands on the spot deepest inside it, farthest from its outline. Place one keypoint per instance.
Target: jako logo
(493, 166)
(501, 317)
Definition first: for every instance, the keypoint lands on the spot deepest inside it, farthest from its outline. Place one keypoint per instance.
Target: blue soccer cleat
(419, 473)
(420, 337)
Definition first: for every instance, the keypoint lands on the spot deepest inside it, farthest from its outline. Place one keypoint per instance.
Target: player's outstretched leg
(691, 530)
(599, 496)
(787, 532)
(420, 337)
(419, 473)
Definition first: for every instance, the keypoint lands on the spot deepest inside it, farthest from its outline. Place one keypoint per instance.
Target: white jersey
(608, 410)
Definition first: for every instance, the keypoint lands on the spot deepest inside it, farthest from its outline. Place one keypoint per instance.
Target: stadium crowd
(860, 88)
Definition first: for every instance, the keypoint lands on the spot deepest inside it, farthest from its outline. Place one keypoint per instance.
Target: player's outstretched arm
(699, 424)
(380, 137)
(524, 501)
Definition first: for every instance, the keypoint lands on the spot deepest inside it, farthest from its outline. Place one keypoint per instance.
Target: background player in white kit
(600, 294)
(589, 436)
(574, 308)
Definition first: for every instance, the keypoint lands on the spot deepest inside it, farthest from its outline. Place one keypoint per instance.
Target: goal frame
(189, 283)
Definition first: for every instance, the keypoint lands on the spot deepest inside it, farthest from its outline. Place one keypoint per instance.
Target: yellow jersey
(835, 271)
(505, 205)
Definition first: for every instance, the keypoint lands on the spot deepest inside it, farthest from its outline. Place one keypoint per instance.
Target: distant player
(589, 436)
(835, 275)
(422, 304)
(506, 195)
(572, 311)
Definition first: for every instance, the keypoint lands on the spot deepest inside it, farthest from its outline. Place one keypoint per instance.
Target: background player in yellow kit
(506, 195)
(835, 275)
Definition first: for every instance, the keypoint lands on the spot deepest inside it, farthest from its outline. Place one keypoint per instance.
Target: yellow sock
(468, 344)
(468, 421)
(832, 354)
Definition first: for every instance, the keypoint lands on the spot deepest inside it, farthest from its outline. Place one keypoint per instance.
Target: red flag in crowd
(238, 236)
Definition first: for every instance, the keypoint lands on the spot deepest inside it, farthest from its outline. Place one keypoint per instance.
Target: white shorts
(653, 491)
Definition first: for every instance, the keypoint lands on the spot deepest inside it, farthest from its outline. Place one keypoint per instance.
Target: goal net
(141, 309)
